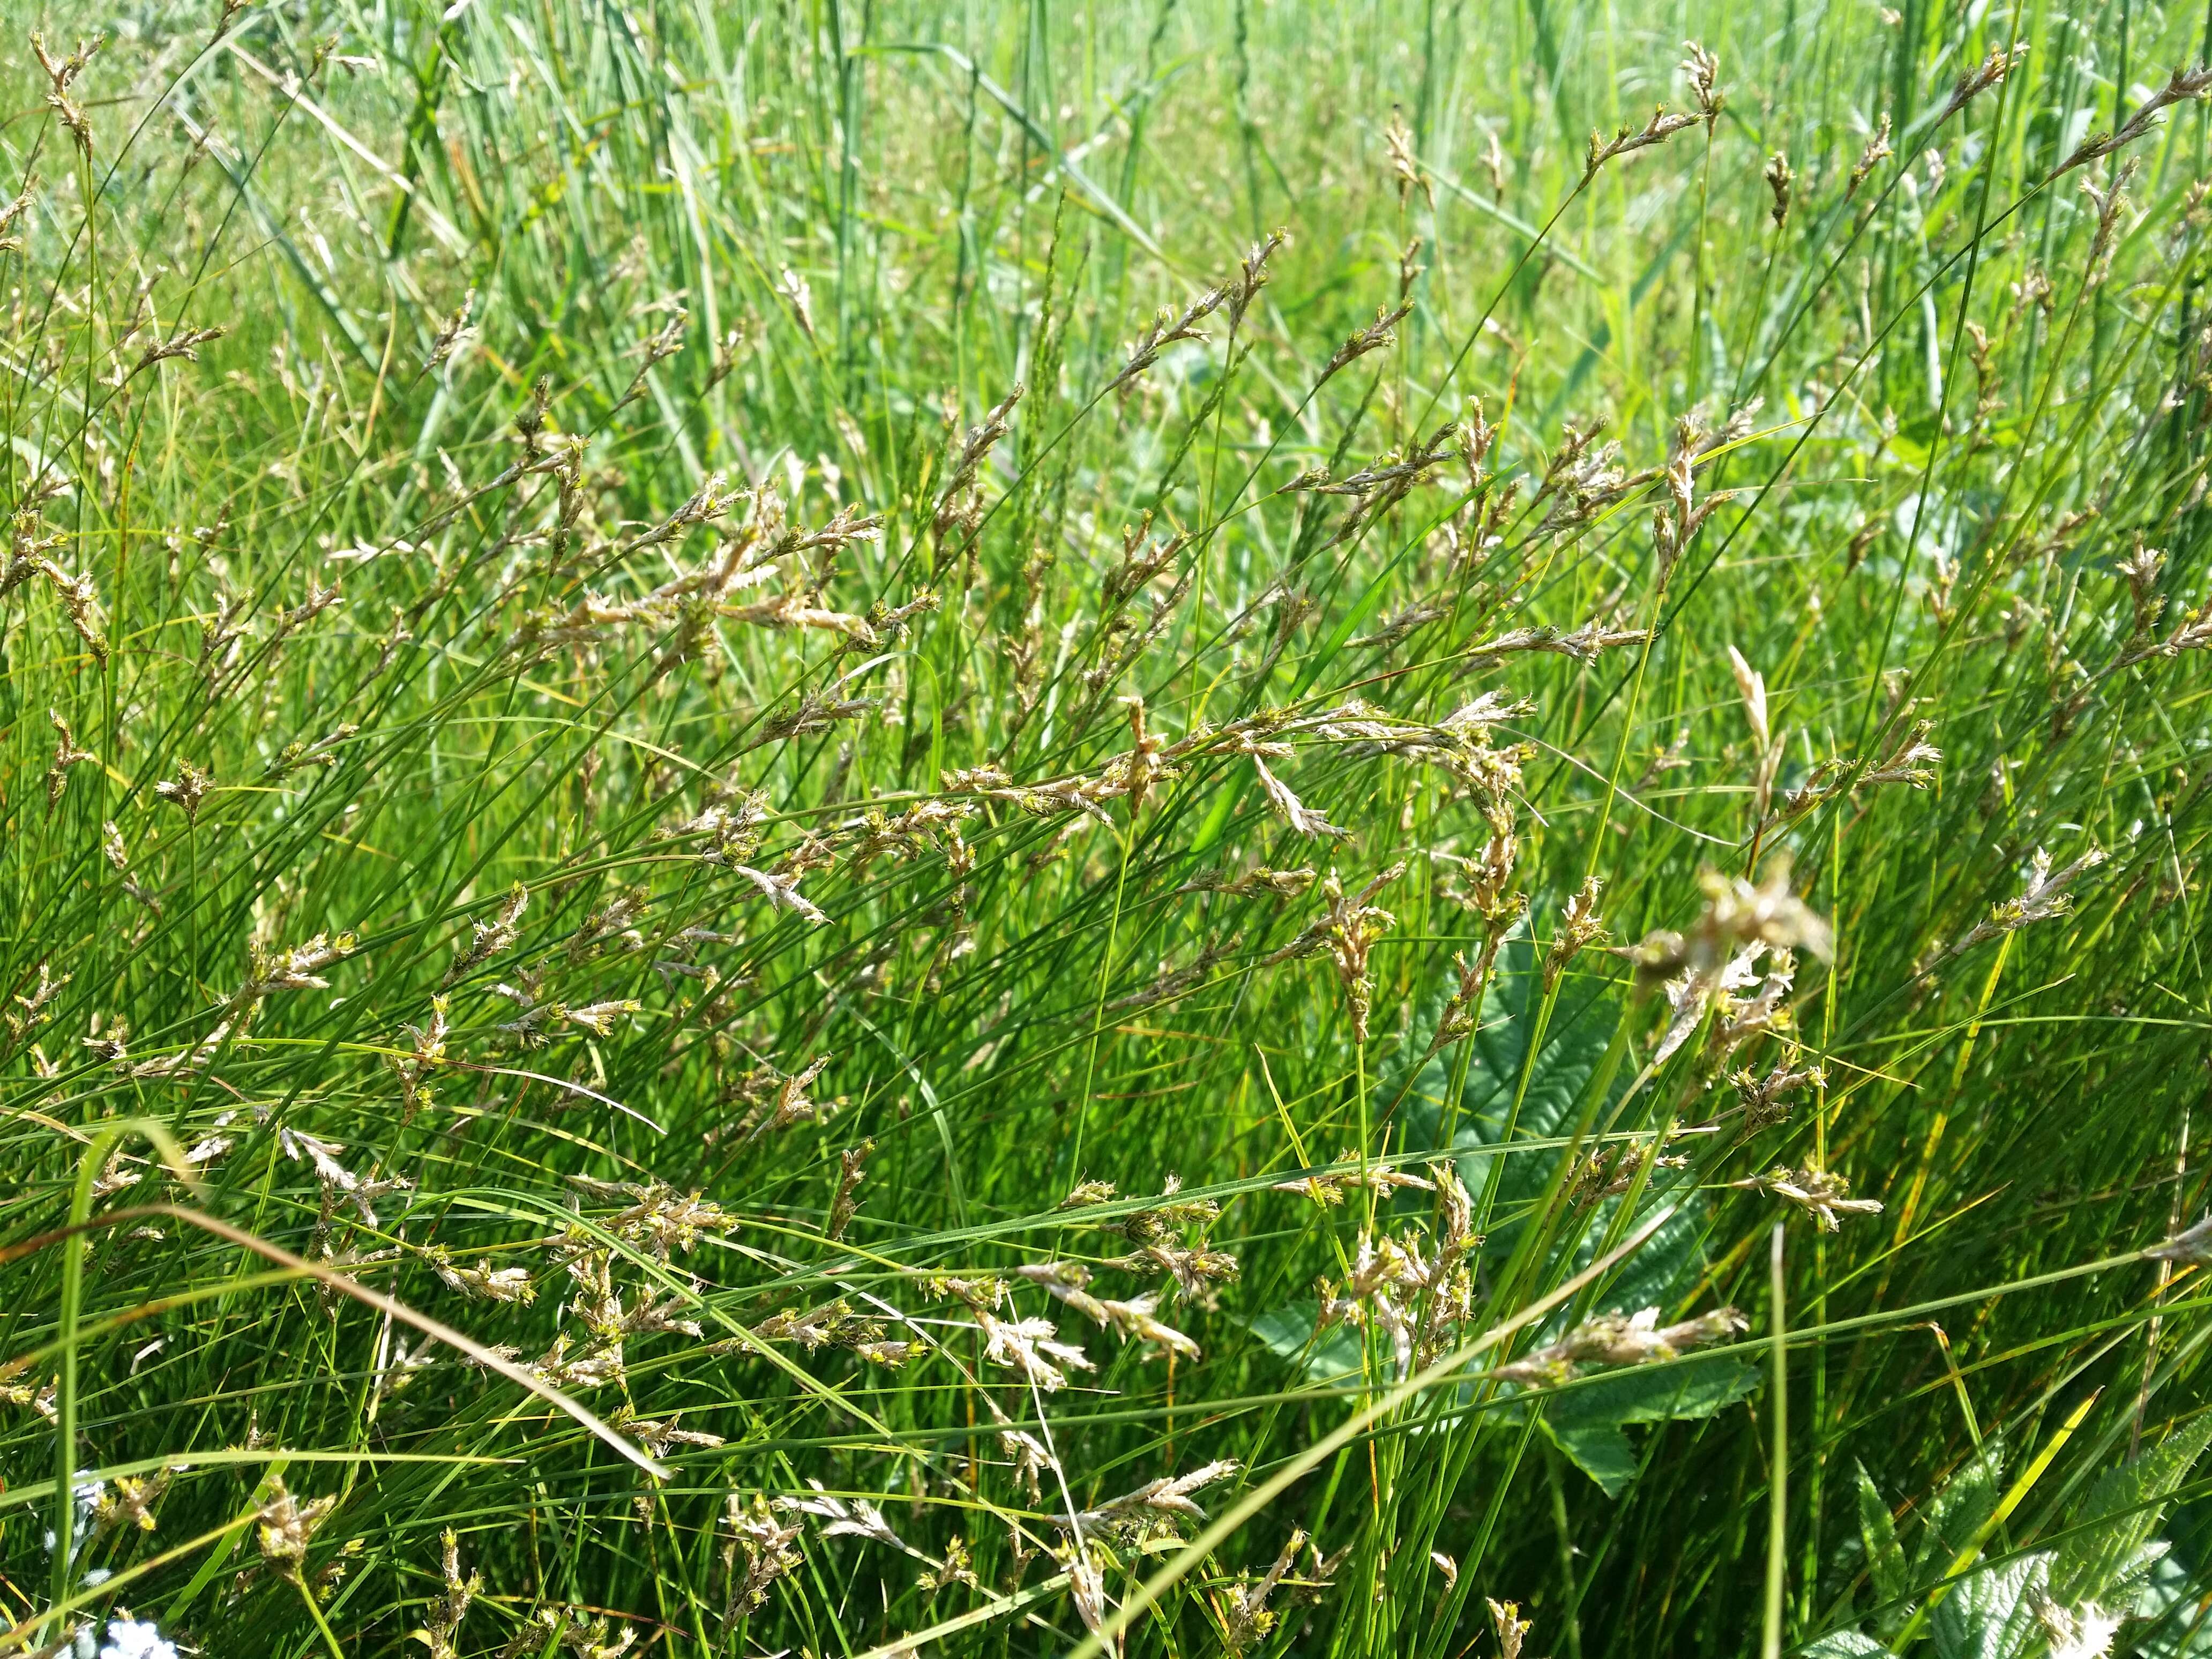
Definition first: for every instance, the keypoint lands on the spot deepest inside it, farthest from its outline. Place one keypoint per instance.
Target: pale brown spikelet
(1259, 881)
(1780, 180)
(2181, 86)
(765, 1543)
(2190, 1244)
(1493, 163)
(285, 1527)
(1134, 1318)
(1766, 745)
(1398, 144)
(187, 790)
(302, 753)
(1973, 83)
(959, 505)
(847, 1203)
(957, 1568)
(2110, 204)
(130, 1502)
(296, 968)
(795, 291)
(1876, 152)
(1252, 275)
(656, 348)
(1736, 914)
(1167, 329)
(1615, 1338)
(1821, 1194)
(12, 214)
(1345, 930)
(1377, 335)
(80, 602)
(36, 1007)
(1704, 69)
(62, 73)
(1085, 1193)
(490, 939)
(447, 1612)
(1609, 1172)
(1580, 926)
(483, 1280)
(2046, 895)
(1155, 1506)
(1660, 128)
(67, 753)
(1763, 1097)
(1029, 1346)
(183, 345)
(453, 334)
(1512, 1628)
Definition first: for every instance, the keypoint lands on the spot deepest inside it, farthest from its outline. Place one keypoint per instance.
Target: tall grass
(740, 921)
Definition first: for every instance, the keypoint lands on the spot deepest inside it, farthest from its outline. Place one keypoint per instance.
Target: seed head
(2184, 84)
(1876, 152)
(1658, 130)
(1779, 179)
(288, 1526)
(1704, 69)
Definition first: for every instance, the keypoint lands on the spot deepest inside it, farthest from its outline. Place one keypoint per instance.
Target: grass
(682, 979)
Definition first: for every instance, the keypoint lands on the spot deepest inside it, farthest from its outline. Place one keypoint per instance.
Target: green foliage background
(852, 229)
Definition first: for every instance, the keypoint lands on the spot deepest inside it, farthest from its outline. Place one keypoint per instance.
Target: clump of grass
(739, 922)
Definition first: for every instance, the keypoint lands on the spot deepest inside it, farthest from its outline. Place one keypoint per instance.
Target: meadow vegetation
(1189, 827)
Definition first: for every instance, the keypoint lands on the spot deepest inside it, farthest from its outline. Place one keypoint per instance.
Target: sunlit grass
(799, 860)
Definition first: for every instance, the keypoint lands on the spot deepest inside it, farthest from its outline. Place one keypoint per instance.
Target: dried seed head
(63, 74)
(765, 1543)
(847, 1203)
(67, 753)
(187, 790)
(1736, 914)
(1301, 818)
(1252, 275)
(795, 293)
(1398, 144)
(960, 505)
(1377, 335)
(2046, 897)
(1779, 179)
(2181, 86)
(1658, 130)
(1876, 152)
(1580, 925)
(453, 334)
(1512, 1628)
(286, 1527)
(1704, 69)
(1821, 1194)
(1979, 79)
(1619, 1340)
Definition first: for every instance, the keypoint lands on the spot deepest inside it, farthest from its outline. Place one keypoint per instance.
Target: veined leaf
(2127, 1503)
(1885, 1568)
(1990, 1614)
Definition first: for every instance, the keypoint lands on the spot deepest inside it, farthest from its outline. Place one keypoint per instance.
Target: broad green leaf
(2127, 1503)
(1570, 1065)
(1585, 1421)
(1845, 1645)
(1658, 1394)
(1991, 1614)
(1885, 1556)
(1956, 1513)
(1599, 1450)
(1289, 1332)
